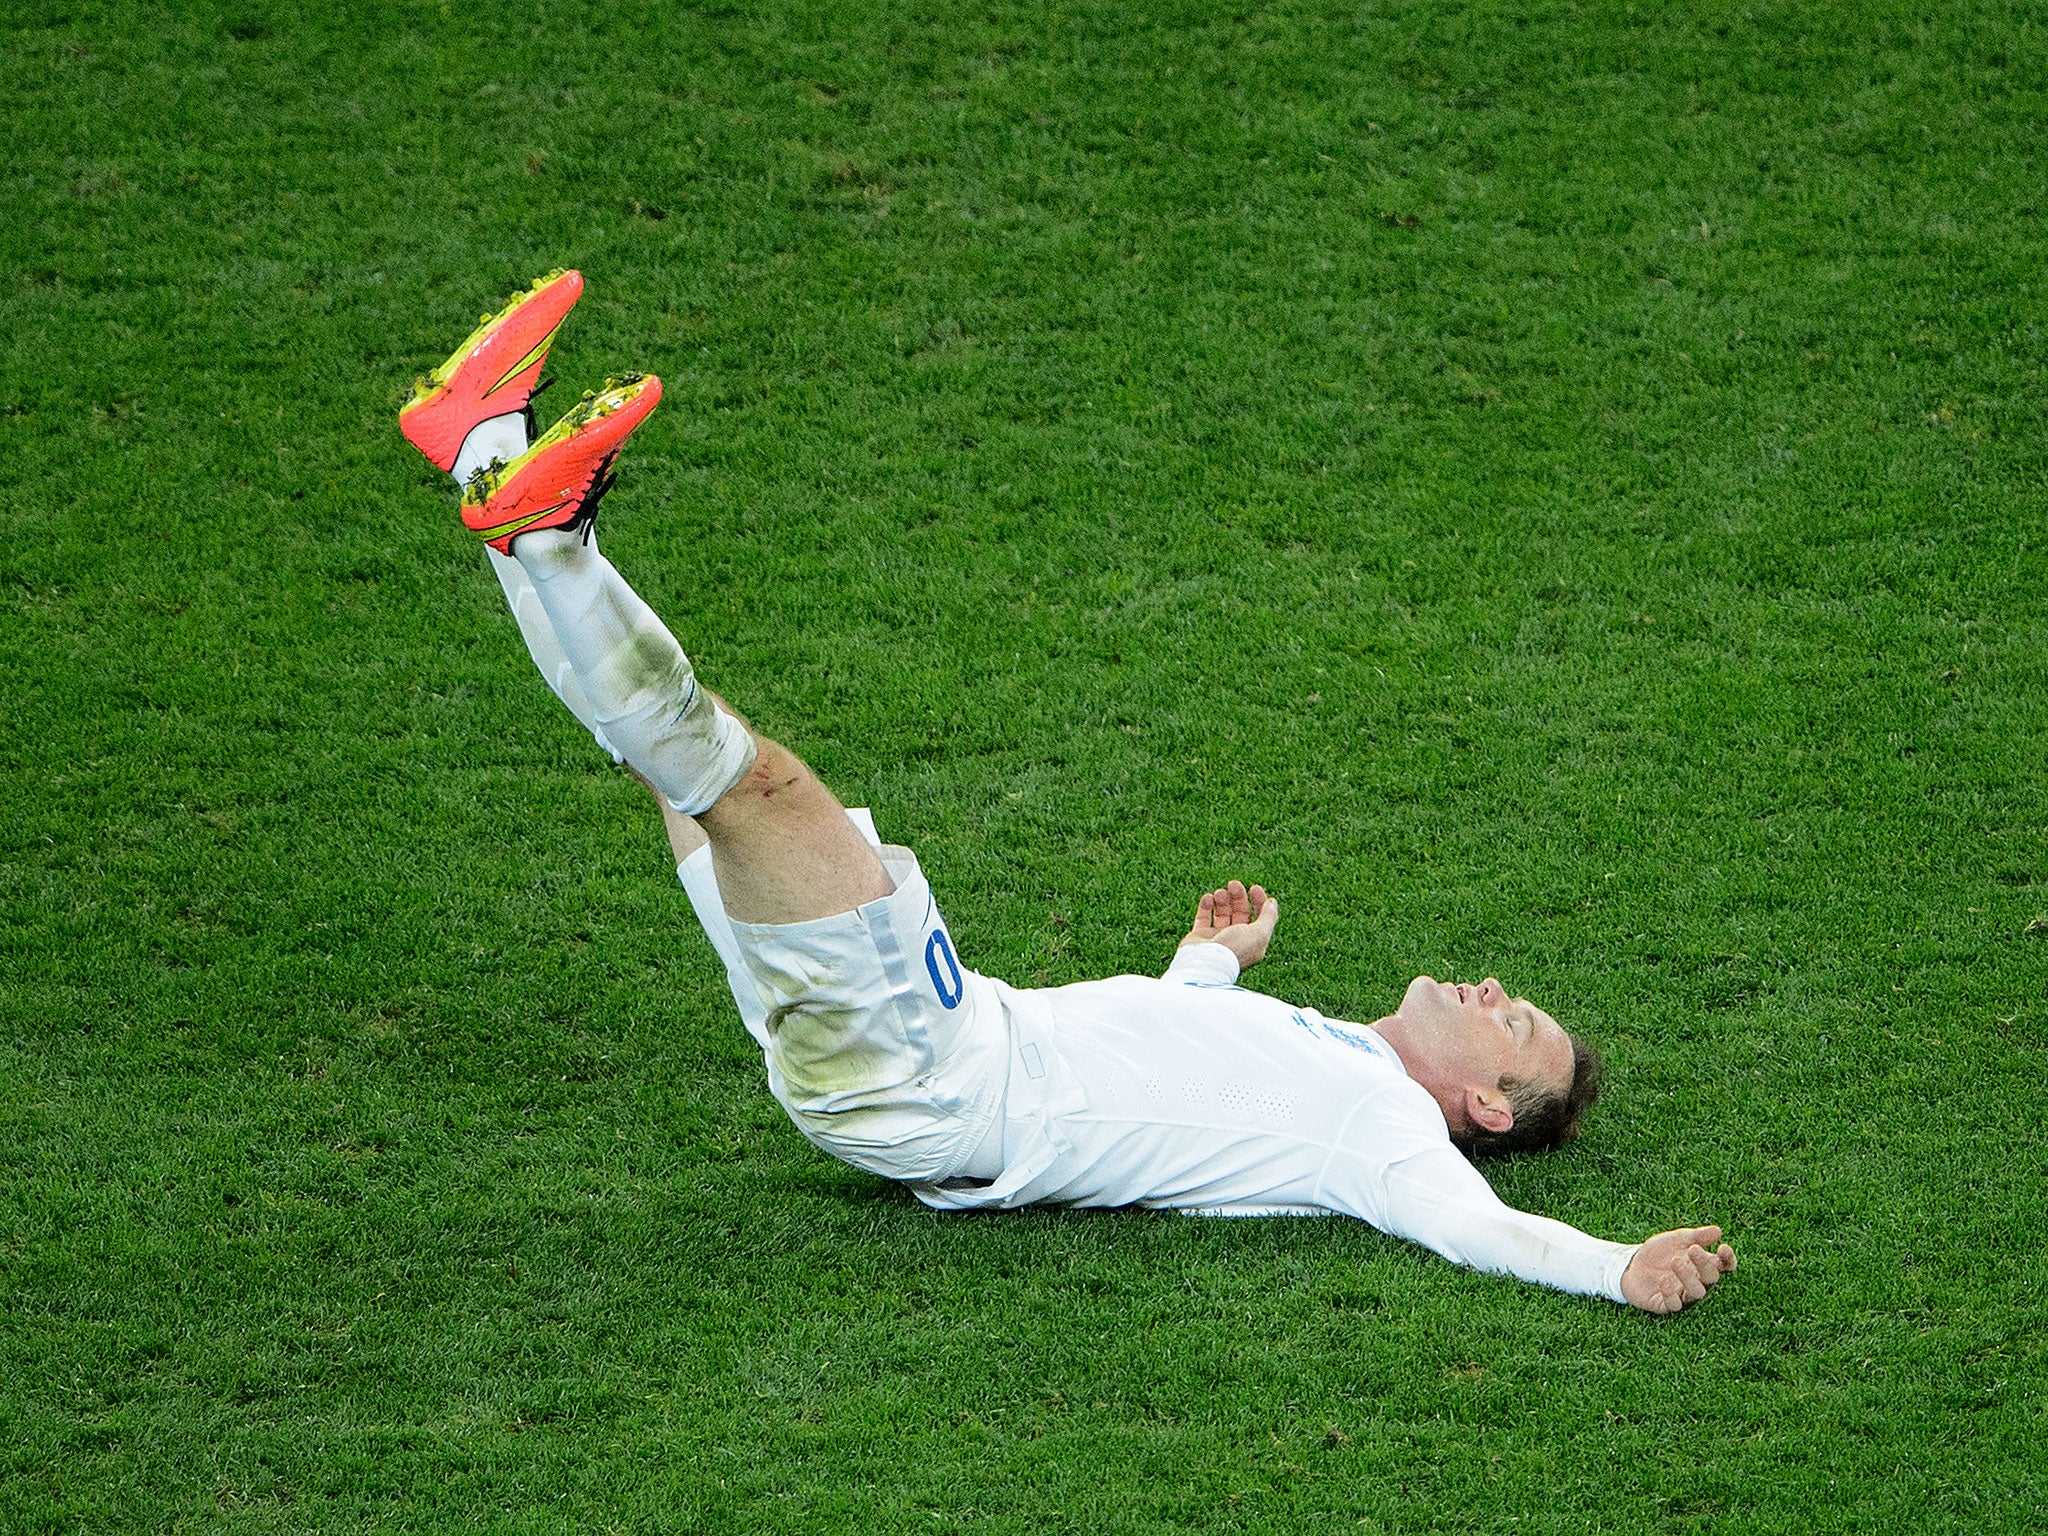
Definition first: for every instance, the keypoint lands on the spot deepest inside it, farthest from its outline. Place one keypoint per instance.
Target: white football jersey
(1188, 1092)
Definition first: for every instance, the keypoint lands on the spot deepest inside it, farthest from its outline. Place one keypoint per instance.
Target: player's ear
(1488, 1110)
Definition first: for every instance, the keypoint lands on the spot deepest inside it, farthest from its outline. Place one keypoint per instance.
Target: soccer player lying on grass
(1184, 1091)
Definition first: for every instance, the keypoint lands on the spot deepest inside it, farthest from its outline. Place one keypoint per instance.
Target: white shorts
(885, 1050)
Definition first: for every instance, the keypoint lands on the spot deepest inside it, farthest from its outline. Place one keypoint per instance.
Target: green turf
(1551, 489)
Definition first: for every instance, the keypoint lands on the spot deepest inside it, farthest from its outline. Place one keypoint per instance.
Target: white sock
(643, 697)
(542, 645)
(502, 437)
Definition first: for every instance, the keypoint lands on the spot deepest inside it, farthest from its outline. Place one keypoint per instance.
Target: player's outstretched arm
(1438, 1199)
(1674, 1269)
(1238, 917)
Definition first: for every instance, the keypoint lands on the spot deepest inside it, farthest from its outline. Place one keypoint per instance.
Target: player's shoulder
(1420, 1105)
(1396, 1114)
(1397, 1088)
(1364, 1067)
(1379, 1135)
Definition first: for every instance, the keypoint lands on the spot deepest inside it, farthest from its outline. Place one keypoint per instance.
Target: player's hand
(1675, 1269)
(1239, 919)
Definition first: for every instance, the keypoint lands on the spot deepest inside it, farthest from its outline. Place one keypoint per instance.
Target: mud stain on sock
(645, 668)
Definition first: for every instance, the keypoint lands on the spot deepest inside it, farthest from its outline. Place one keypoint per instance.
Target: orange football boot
(491, 374)
(558, 482)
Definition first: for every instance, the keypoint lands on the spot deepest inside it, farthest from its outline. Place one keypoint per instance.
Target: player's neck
(1389, 1029)
(1422, 1065)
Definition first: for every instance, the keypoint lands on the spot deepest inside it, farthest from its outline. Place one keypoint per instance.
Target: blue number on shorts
(937, 948)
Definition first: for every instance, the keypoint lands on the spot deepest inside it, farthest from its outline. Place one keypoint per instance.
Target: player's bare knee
(771, 778)
(776, 772)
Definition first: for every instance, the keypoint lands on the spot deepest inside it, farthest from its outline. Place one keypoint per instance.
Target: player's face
(1494, 1034)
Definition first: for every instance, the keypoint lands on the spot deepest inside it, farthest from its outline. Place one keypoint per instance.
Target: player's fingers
(1258, 899)
(1680, 1269)
(1656, 1291)
(1205, 912)
(1269, 913)
(1726, 1255)
(1690, 1277)
(1240, 903)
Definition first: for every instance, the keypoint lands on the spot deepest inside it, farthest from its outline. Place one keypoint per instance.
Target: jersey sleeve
(1393, 1166)
(1441, 1201)
(1203, 965)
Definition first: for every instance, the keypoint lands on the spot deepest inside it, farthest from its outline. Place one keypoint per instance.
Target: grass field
(1553, 490)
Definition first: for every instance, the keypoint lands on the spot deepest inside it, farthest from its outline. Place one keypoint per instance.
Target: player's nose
(1492, 993)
